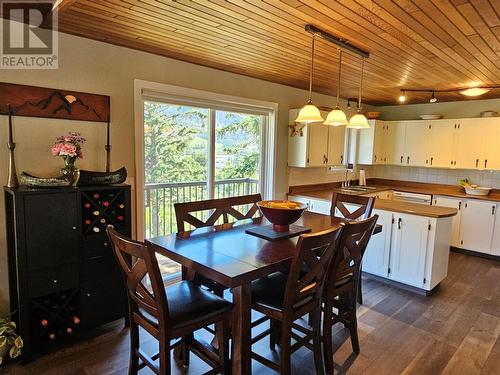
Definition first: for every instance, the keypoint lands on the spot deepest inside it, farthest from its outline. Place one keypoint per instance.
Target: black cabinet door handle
(477, 163)
(432, 159)
(485, 163)
(408, 160)
(399, 223)
(493, 210)
(401, 159)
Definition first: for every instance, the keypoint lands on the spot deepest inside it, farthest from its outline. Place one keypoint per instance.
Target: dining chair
(225, 208)
(342, 284)
(352, 207)
(285, 297)
(168, 313)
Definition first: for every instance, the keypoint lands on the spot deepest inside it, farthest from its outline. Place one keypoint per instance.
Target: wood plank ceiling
(437, 44)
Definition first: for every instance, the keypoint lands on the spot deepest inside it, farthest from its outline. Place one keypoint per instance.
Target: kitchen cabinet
(376, 258)
(409, 248)
(318, 146)
(455, 226)
(417, 143)
(371, 143)
(470, 143)
(395, 142)
(319, 206)
(491, 155)
(442, 137)
(476, 225)
(336, 145)
(495, 242)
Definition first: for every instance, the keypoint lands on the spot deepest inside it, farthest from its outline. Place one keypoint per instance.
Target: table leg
(242, 299)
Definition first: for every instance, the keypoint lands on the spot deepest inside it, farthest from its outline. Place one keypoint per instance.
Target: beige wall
(464, 109)
(89, 66)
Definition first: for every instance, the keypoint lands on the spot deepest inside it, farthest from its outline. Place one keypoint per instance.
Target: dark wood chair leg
(223, 339)
(327, 338)
(274, 337)
(318, 353)
(353, 325)
(133, 366)
(164, 359)
(285, 354)
(360, 289)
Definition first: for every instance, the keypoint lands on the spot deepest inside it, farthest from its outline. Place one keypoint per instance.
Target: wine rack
(64, 279)
(101, 208)
(55, 317)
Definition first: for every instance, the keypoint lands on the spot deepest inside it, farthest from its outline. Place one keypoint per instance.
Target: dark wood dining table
(233, 258)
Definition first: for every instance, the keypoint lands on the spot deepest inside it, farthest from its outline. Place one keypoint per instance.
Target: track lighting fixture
(433, 98)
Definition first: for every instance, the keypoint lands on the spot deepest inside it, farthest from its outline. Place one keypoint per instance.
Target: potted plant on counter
(10, 342)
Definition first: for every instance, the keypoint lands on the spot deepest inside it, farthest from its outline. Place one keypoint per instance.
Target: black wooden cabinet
(64, 279)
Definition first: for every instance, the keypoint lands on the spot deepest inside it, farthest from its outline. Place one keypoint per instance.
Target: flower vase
(72, 172)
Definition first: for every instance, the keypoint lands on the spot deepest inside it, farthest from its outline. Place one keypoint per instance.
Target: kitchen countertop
(325, 192)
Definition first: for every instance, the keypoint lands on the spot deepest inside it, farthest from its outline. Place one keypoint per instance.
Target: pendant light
(359, 121)
(336, 117)
(310, 113)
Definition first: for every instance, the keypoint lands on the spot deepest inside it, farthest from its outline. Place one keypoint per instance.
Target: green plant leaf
(18, 342)
(3, 341)
(1, 360)
(14, 352)
(2, 330)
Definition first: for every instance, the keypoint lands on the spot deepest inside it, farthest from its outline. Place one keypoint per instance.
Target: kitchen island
(413, 248)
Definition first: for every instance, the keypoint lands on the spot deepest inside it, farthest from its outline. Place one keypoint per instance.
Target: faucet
(347, 182)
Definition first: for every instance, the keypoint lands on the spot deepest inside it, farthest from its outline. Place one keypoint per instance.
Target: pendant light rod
(338, 79)
(361, 83)
(343, 43)
(311, 69)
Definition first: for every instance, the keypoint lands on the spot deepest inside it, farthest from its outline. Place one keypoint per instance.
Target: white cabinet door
(492, 149)
(371, 144)
(336, 143)
(476, 225)
(455, 227)
(495, 243)
(409, 249)
(395, 142)
(470, 144)
(417, 143)
(318, 145)
(376, 258)
(442, 137)
(320, 206)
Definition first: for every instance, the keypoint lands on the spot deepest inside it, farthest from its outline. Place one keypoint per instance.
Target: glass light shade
(336, 117)
(309, 113)
(474, 91)
(358, 121)
(402, 98)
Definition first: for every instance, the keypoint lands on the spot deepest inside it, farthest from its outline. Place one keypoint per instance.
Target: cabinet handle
(465, 204)
(408, 160)
(432, 159)
(455, 126)
(399, 223)
(375, 158)
(385, 159)
(452, 162)
(401, 159)
(485, 163)
(341, 159)
(477, 163)
(459, 205)
(493, 210)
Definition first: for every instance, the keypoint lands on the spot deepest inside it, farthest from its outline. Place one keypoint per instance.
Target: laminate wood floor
(454, 331)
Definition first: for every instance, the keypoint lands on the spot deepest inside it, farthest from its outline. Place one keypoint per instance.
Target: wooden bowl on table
(281, 213)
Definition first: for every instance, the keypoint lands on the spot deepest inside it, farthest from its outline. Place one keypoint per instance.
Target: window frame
(163, 93)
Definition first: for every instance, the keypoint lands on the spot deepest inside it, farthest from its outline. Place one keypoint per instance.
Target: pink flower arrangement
(69, 147)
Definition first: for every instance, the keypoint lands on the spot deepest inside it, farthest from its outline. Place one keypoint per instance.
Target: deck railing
(160, 198)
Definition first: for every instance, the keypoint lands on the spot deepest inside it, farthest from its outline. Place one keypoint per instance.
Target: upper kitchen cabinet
(417, 143)
(470, 144)
(318, 146)
(395, 142)
(442, 143)
(491, 155)
(372, 143)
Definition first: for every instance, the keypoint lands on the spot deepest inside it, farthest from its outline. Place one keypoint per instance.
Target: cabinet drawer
(97, 247)
(52, 280)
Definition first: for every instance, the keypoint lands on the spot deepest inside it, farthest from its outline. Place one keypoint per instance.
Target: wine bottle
(121, 205)
(88, 222)
(52, 336)
(76, 320)
(44, 322)
(96, 196)
(96, 213)
(105, 203)
(96, 229)
(102, 221)
(119, 217)
(69, 330)
(87, 205)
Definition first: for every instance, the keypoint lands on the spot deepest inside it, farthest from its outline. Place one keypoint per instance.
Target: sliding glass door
(193, 153)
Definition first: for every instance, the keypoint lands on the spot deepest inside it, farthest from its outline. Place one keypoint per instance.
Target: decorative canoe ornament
(102, 178)
(45, 182)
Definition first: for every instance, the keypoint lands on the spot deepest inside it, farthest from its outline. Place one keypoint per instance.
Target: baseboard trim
(399, 285)
(474, 253)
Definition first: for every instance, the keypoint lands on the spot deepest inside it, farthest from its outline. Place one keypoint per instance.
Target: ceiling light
(402, 98)
(359, 121)
(474, 91)
(337, 117)
(433, 98)
(310, 113)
